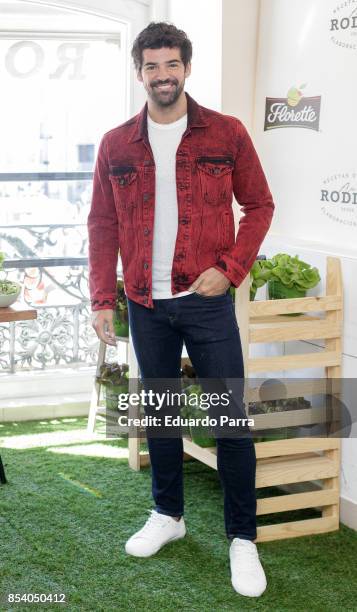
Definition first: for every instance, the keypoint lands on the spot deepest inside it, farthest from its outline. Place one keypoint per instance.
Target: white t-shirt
(164, 139)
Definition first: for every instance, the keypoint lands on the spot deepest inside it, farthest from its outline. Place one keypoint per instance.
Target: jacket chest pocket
(124, 182)
(215, 174)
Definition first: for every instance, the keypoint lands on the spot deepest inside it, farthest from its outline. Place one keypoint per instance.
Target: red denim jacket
(215, 159)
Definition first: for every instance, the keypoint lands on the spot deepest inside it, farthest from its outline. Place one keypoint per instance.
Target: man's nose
(162, 73)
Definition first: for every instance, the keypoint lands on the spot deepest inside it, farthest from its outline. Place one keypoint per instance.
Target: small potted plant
(115, 380)
(286, 276)
(9, 290)
(121, 319)
(273, 407)
(290, 277)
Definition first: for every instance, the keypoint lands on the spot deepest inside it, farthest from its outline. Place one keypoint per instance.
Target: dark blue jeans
(209, 329)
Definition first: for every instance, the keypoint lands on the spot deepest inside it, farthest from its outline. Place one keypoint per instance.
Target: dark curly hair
(161, 34)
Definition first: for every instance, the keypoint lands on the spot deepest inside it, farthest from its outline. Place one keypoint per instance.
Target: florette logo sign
(343, 25)
(338, 197)
(294, 111)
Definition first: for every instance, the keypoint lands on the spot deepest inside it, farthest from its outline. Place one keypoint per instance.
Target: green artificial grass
(64, 520)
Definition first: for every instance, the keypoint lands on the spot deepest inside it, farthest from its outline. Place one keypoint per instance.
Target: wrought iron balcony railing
(49, 258)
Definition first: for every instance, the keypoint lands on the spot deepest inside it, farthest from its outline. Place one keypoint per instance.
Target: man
(162, 194)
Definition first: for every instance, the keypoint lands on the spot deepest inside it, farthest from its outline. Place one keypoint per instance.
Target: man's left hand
(210, 282)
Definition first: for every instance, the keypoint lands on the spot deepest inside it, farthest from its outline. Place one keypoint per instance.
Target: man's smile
(164, 86)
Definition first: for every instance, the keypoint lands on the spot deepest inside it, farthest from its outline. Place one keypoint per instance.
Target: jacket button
(146, 265)
(146, 231)
(145, 300)
(146, 196)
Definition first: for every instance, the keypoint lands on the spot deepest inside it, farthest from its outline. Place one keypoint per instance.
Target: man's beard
(165, 98)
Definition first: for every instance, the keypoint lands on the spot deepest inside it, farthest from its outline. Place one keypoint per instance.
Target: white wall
(240, 20)
(296, 47)
(202, 21)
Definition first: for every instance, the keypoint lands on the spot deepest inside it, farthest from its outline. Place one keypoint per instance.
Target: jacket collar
(195, 119)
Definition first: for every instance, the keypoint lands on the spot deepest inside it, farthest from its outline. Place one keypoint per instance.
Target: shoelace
(245, 554)
(153, 520)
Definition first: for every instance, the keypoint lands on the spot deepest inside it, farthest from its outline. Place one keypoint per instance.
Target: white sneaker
(248, 577)
(158, 530)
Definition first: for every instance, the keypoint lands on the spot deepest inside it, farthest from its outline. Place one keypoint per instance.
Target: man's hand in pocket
(210, 282)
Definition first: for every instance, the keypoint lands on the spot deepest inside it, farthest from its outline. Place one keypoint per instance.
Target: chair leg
(96, 389)
(2, 473)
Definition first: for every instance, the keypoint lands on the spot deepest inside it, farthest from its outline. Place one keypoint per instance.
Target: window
(63, 82)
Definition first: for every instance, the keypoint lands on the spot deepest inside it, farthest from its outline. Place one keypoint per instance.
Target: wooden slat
(303, 330)
(294, 418)
(333, 483)
(294, 362)
(288, 387)
(253, 319)
(294, 446)
(270, 460)
(95, 397)
(289, 470)
(297, 501)
(145, 458)
(299, 470)
(289, 306)
(17, 312)
(135, 433)
(334, 287)
(242, 315)
(205, 455)
(296, 529)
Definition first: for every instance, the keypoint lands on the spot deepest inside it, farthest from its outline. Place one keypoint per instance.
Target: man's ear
(138, 75)
(188, 69)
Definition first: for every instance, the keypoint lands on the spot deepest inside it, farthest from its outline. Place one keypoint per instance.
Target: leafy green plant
(7, 287)
(115, 379)
(279, 405)
(292, 272)
(287, 276)
(260, 273)
(113, 374)
(273, 407)
(121, 319)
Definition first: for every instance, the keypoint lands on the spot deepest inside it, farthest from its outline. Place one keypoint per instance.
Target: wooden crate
(289, 462)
